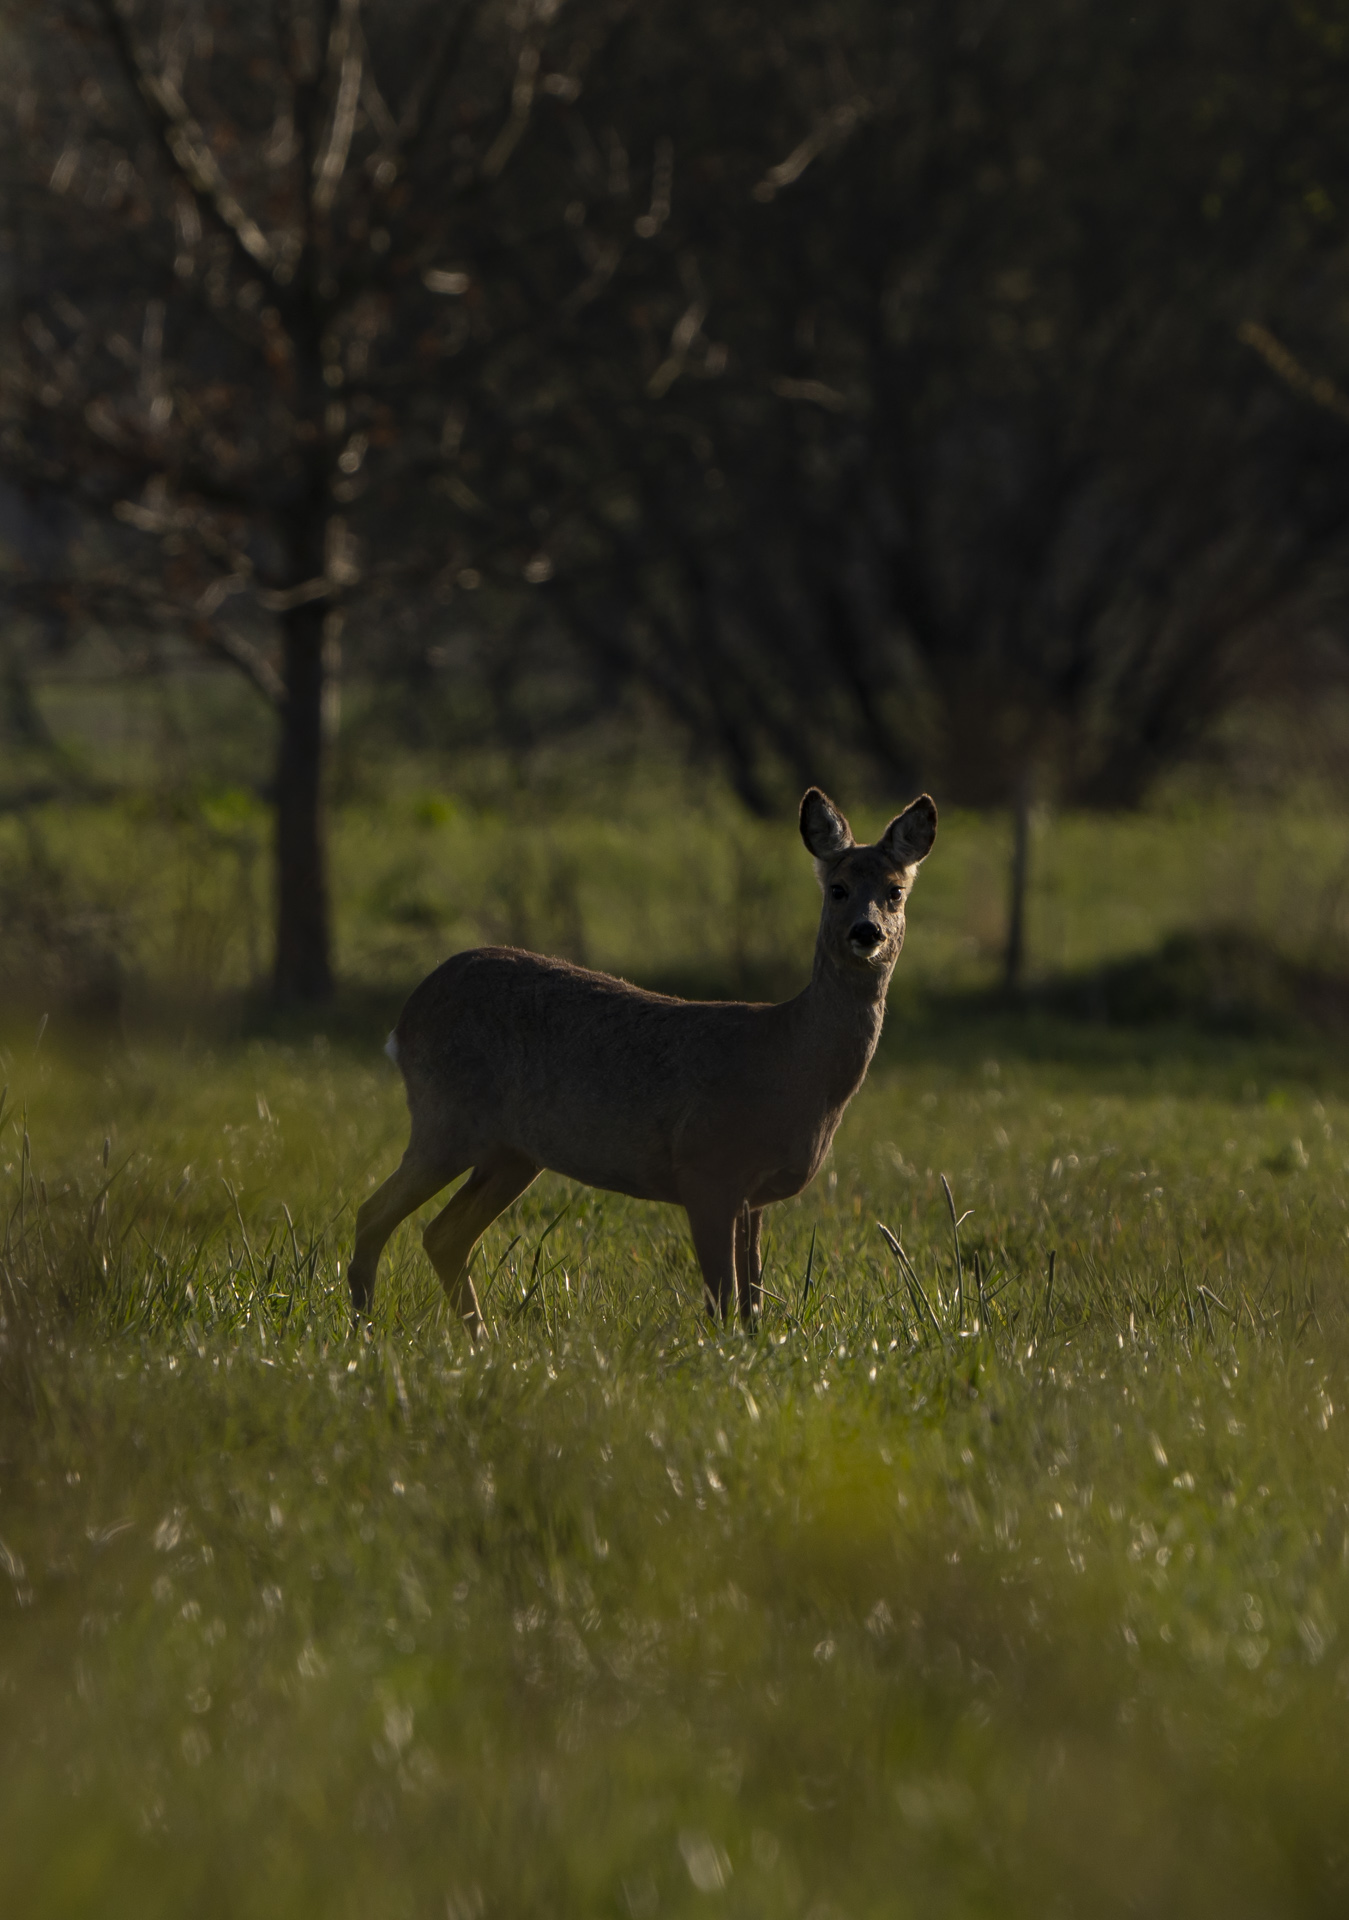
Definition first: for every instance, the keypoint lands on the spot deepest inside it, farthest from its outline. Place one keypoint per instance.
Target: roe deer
(514, 1063)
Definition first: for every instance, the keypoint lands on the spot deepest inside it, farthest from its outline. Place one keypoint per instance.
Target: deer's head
(865, 887)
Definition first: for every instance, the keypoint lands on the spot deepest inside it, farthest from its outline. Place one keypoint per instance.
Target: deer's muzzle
(865, 936)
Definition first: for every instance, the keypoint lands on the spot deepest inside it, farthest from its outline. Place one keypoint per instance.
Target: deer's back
(590, 1076)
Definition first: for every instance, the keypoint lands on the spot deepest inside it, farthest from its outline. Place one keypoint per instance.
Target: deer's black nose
(865, 934)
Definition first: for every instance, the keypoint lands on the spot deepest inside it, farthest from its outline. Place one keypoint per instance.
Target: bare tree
(257, 265)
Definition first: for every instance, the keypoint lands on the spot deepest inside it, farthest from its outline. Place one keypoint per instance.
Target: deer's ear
(823, 828)
(909, 836)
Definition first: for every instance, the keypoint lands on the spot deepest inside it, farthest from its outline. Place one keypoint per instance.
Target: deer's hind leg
(748, 1264)
(500, 1176)
(418, 1176)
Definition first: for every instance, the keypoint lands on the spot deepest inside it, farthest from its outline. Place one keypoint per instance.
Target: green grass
(872, 1613)
(950, 1590)
(650, 872)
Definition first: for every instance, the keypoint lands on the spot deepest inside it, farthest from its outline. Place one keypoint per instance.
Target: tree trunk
(303, 944)
(20, 717)
(1015, 955)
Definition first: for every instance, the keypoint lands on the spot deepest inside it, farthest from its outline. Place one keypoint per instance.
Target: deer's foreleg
(713, 1224)
(500, 1176)
(748, 1265)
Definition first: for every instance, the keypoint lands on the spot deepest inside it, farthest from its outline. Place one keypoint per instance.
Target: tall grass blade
(955, 1236)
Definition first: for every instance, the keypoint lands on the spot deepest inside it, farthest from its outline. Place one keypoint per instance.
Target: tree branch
(522, 103)
(834, 127)
(417, 111)
(185, 143)
(1317, 387)
(114, 598)
(345, 53)
(251, 662)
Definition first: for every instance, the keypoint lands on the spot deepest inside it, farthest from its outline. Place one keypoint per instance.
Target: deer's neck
(842, 1011)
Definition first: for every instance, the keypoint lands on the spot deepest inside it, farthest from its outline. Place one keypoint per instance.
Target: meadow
(1004, 1568)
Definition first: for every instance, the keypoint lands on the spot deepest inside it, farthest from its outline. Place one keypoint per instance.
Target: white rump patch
(391, 1047)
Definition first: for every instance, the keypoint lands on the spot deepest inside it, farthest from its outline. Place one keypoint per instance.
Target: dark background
(940, 395)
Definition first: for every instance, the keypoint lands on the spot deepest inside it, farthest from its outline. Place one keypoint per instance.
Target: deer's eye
(896, 896)
(836, 892)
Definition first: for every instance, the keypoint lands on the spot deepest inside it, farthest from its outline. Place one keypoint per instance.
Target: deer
(514, 1063)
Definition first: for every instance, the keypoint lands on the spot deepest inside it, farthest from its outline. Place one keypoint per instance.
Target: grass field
(956, 1588)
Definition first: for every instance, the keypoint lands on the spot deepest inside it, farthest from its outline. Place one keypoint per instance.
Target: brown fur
(514, 1063)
